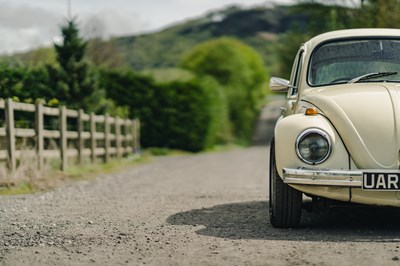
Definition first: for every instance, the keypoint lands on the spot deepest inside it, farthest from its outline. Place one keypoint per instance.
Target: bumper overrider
(323, 177)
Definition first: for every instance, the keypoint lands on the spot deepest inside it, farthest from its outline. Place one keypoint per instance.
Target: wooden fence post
(93, 137)
(63, 137)
(135, 135)
(39, 135)
(10, 132)
(138, 125)
(132, 132)
(107, 138)
(126, 136)
(118, 137)
(81, 141)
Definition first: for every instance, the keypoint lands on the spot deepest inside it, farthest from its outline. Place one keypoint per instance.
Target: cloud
(26, 16)
(23, 40)
(22, 27)
(111, 22)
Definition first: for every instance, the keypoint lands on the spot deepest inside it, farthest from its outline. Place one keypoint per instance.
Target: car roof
(339, 34)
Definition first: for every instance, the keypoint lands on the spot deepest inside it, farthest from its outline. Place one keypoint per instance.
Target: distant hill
(258, 27)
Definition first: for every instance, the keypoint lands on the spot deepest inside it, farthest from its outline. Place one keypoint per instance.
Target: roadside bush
(11, 82)
(26, 84)
(240, 71)
(188, 115)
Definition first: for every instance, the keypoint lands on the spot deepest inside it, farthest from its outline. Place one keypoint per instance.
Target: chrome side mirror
(279, 84)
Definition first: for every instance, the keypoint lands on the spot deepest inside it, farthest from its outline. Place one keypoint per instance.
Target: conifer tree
(74, 83)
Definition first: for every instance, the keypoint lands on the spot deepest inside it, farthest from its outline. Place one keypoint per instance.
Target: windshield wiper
(372, 76)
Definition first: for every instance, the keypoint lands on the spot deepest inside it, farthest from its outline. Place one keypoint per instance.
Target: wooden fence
(91, 135)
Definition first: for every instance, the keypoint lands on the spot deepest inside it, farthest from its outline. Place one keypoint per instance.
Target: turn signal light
(311, 111)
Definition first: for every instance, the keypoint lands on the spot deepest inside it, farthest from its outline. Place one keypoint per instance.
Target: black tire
(284, 201)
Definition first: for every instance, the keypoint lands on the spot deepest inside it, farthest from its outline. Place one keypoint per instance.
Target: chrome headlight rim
(322, 134)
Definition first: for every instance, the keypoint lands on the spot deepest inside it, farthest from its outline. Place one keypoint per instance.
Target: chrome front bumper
(322, 177)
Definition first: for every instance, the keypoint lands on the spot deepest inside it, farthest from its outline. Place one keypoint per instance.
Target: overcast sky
(25, 24)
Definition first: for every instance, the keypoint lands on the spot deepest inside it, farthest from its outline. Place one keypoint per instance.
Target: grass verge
(29, 181)
(53, 178)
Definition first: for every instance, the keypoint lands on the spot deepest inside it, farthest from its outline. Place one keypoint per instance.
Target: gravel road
(205, 209)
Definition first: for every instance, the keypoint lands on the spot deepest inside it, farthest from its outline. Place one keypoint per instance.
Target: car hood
(367, 117)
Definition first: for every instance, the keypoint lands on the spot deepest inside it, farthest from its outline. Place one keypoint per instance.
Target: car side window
(295, 77)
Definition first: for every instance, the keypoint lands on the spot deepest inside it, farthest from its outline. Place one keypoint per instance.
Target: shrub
(188, 115)
(240, 71)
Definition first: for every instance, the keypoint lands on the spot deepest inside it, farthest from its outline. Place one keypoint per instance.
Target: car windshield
(340, 62)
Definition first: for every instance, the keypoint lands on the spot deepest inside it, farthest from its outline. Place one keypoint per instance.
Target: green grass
(19, 189)
(88, 171)
(171, 152)
(155, 151)
(226, 147)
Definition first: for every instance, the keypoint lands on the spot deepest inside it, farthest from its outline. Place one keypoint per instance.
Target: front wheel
(284, 201)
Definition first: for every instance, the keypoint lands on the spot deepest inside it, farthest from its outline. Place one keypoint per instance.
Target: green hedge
(188, 115)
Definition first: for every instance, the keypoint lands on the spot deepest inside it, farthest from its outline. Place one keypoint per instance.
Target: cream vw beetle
(339, 134)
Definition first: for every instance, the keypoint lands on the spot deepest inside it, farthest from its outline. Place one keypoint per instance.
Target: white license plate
(381, 181)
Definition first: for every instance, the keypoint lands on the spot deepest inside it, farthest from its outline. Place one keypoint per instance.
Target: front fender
(289, 128)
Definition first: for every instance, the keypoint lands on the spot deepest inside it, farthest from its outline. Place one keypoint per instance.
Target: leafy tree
(105, 54)
(240, 71)
(101, 52)
(378, 14)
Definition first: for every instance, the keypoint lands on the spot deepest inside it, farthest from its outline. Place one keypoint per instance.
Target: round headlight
(313, 146)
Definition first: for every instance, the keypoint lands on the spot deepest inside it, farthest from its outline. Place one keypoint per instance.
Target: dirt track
(206, 209)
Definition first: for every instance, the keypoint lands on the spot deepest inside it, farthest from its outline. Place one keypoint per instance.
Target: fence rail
(93, 135)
